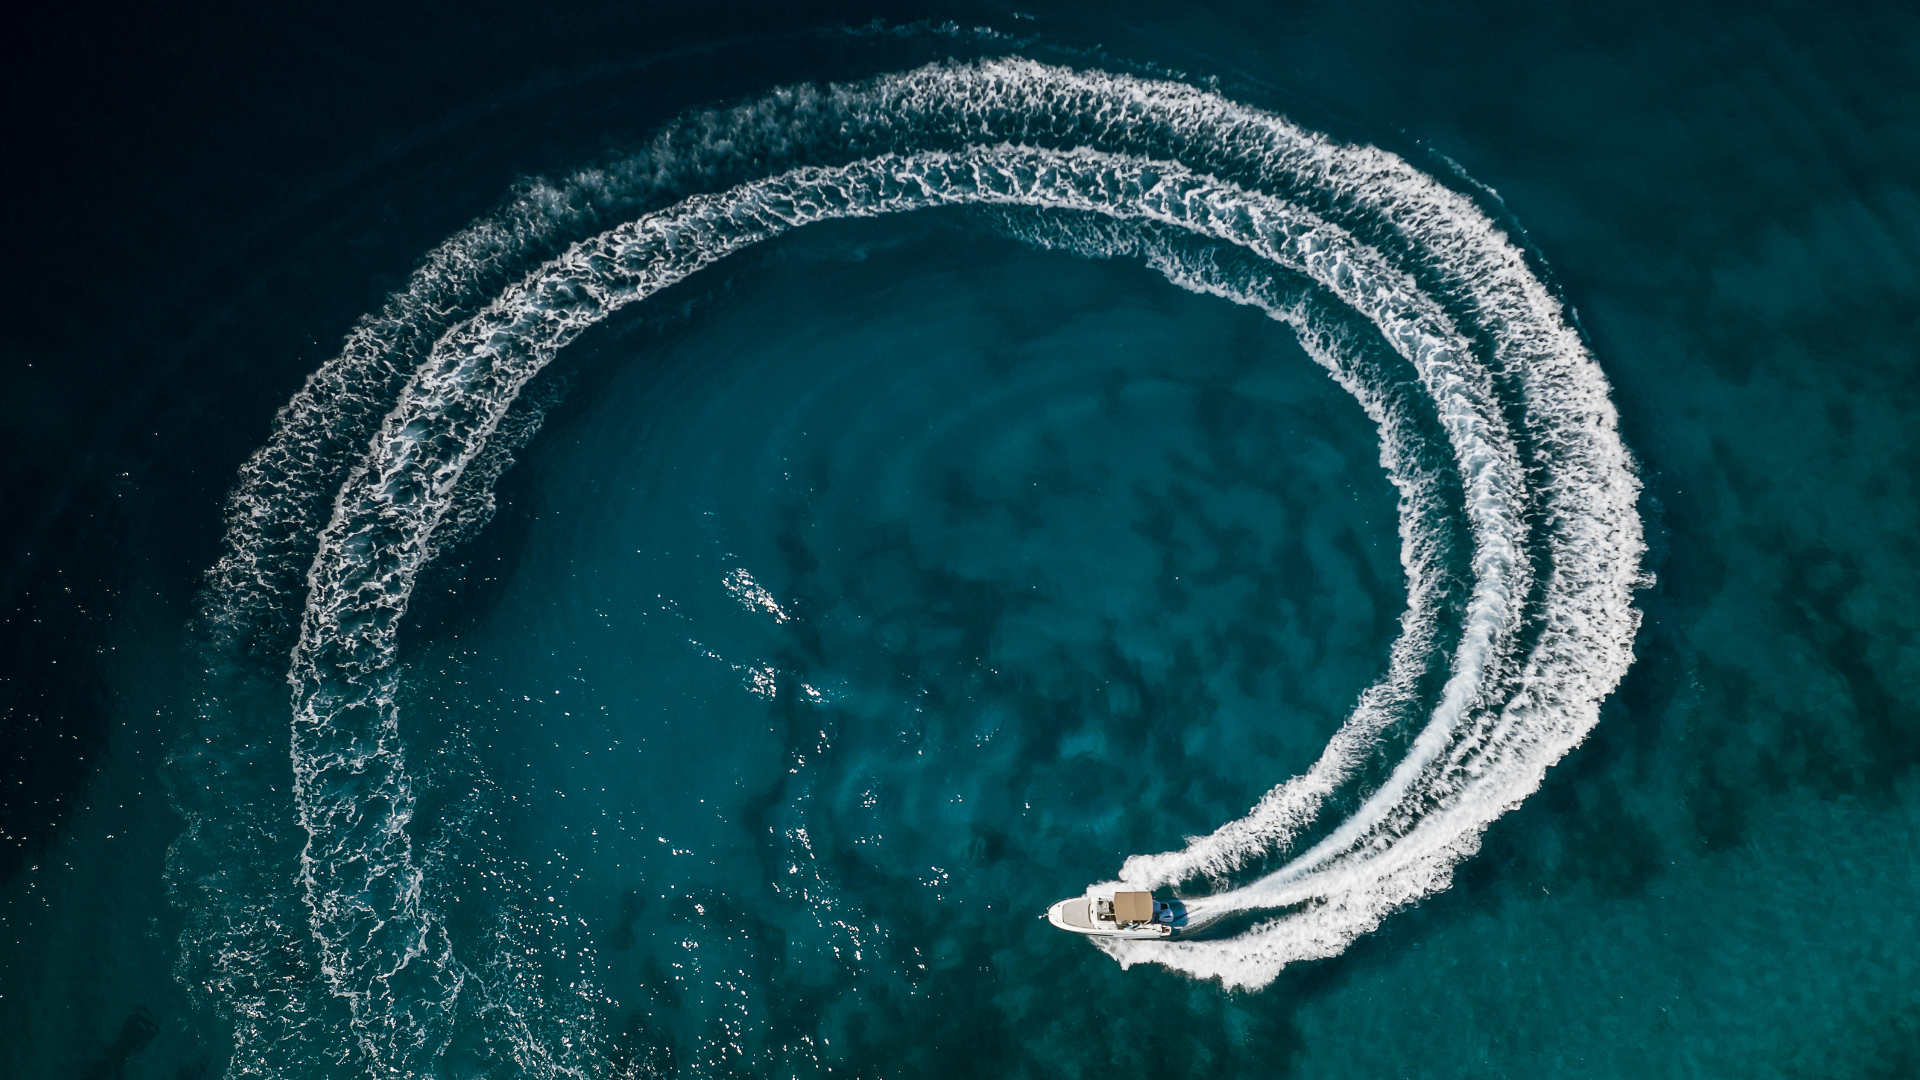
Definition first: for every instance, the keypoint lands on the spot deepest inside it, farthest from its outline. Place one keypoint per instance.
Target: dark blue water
(723, 674)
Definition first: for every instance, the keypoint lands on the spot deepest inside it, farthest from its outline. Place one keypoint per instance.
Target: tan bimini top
(1132, 907)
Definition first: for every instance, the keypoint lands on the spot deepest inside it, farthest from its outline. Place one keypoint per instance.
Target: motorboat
(1117, 915)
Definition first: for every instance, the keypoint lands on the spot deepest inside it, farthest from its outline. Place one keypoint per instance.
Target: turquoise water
(828, 814)
(928, 541)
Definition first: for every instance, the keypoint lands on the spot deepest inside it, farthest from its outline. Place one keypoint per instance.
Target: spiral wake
(1496, 412)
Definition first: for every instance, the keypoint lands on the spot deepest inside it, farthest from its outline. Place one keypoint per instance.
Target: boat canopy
(1132, 907)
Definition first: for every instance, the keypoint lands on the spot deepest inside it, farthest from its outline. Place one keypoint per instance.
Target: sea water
(828, 613)
(867, 698)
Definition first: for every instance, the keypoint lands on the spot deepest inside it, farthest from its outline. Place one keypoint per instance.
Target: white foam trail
(348, 761)
(741, 586)
(1289, 808)
(1392, 244)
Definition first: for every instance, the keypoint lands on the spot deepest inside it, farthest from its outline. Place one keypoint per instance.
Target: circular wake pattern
(1520, 540)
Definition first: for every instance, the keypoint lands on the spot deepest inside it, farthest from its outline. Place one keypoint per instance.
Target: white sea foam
(1446, 290)
(741, 586)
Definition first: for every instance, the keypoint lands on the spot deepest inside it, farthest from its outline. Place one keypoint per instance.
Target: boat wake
(1519, 535)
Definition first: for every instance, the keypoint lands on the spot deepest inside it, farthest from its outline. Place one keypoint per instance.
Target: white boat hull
(1075, 916)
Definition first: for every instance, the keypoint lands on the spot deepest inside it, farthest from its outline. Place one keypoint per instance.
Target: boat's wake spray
(1520, 540)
